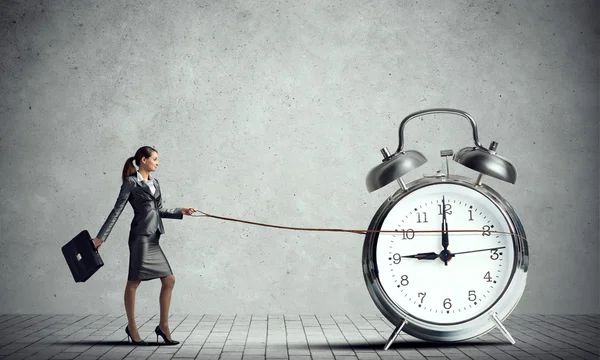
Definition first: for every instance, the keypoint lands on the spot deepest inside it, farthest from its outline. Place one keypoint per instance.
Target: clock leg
(394, 335)
(502, 329)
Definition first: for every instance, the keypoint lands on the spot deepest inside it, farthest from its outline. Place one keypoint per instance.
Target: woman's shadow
(110, 343)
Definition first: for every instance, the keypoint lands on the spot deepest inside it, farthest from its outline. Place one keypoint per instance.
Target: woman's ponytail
(128, 168)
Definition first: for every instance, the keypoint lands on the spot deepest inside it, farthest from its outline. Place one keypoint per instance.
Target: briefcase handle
(94, 246)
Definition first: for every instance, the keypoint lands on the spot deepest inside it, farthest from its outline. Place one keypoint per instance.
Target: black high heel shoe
(158, 331)
(129, 337)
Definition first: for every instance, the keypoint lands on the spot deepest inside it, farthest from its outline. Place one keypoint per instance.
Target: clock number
(486, 230)
(447, 304)
(447, 209)
(472, 296)
(470, 215)
(488, 277)
(397, 258)
(494, 255)
(404, 280)
(408, 234)
(424, 217)
(423, 296)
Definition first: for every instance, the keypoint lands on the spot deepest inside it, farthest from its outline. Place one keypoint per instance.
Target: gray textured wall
(275, 112)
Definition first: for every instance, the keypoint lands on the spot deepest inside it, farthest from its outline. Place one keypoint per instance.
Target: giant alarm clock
(448, 258)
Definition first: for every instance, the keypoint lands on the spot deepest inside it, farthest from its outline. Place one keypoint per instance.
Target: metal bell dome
(393, 167)
(487, 162)
(478, 158)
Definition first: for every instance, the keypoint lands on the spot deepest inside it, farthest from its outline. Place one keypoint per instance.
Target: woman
(146, 259)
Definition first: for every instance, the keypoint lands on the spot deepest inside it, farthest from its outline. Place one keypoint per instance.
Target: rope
(361, 232)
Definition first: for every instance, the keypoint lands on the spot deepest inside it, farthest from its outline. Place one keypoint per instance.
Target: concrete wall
(275, 112)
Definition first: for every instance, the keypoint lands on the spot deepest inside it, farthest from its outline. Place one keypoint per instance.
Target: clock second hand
(433, 256)
(466, 252)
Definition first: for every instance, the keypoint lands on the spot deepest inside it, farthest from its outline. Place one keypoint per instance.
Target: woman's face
(151, 163)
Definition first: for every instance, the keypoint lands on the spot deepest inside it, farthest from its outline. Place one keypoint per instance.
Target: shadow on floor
(324, 346)
(402, 345)
(109, 343)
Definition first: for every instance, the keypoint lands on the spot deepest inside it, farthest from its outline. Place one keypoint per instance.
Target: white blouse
(150, 183)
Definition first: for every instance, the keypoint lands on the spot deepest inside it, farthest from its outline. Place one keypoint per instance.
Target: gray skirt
(146, 259)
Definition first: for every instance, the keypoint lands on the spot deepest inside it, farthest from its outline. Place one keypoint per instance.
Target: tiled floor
(286, 337)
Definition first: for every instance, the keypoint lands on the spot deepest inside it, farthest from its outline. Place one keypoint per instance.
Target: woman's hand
(97, 242)
(188, 211)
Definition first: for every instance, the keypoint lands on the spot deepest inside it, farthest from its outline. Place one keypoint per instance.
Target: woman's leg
(168, 282)
(130, 290)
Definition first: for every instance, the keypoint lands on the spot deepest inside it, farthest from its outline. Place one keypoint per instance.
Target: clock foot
(394, 335)
(502, 329)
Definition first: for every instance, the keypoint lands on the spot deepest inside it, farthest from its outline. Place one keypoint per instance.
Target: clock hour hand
(445, 256)
(423, 256)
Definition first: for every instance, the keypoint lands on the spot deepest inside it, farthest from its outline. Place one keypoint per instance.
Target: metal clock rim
(477, 325)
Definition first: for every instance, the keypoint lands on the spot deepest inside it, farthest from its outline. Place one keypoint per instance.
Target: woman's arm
(174, 213)
(122, 199)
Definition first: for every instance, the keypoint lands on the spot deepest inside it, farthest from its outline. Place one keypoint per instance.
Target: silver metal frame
(470, 328)
(409, 117)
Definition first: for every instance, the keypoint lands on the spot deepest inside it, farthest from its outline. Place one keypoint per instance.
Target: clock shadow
(415, 344)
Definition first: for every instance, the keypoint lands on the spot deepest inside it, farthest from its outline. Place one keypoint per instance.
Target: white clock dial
(471, 281)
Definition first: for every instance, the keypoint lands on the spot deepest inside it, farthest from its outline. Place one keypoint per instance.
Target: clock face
(438, 286)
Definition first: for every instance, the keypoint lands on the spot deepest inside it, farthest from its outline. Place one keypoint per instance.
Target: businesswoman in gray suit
(146, 259)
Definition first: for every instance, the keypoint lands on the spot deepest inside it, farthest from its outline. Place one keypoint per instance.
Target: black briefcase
(82, 256)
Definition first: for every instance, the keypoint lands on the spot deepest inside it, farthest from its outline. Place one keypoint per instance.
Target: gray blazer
(147, 208)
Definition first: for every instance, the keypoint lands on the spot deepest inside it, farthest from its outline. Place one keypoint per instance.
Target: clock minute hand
(423, 256)
(445, 239)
